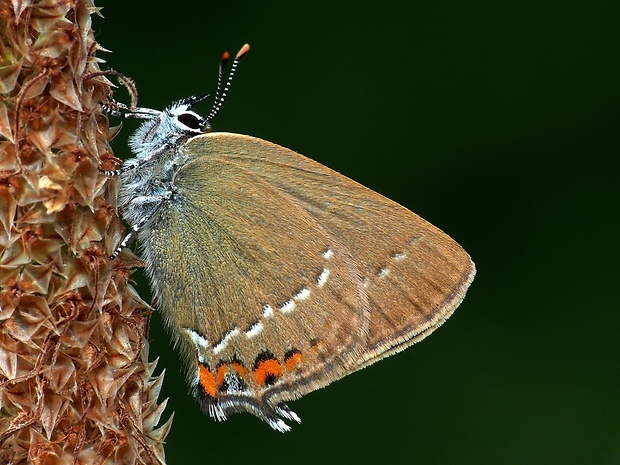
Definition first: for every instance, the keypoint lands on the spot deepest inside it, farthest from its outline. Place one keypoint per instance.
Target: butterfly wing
(298, 275)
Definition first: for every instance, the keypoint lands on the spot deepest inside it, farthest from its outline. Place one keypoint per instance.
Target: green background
(496, 121)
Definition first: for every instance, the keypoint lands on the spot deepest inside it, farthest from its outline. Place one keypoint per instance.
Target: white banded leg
(123, 111)
(133, 166)
(111, 173)
(135, 228)
(128, 237)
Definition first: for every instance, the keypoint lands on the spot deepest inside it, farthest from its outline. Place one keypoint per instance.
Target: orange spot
(315, 345)
(267, 370)
(224, 368)
(221, 372)
(225, 56)
(239, 368)
(207, 380)
(293, 361)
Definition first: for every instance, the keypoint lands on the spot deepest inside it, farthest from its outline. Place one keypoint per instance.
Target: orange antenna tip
(245, 49)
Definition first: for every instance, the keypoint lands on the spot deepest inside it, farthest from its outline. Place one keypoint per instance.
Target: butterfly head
(181, 119)
(167, 129)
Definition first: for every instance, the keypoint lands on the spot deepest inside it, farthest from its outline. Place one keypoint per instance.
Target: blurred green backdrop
(496, 121)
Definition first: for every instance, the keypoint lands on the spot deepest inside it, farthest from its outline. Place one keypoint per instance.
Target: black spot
(265, 355)
(270, 379)
(235, 359)
(290, 353)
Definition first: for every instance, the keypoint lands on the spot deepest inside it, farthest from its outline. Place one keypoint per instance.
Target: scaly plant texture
(76, 386)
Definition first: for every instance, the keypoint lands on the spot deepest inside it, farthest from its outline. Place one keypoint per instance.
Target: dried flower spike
(76, 386)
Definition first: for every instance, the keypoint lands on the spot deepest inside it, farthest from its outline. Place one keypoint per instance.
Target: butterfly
(275, 275)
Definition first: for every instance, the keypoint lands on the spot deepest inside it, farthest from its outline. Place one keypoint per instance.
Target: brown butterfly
(275, 274)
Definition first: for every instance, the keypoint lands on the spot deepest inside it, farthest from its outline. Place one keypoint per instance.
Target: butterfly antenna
(220, 94)
(220, 76)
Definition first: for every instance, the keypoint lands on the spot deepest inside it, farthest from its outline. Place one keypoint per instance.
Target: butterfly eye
(191, 121)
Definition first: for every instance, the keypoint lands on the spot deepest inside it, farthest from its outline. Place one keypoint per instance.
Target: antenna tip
(225, 56)
(245, 49)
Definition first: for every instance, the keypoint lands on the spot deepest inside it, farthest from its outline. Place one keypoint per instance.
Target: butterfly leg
(123, 111)
(141, 201)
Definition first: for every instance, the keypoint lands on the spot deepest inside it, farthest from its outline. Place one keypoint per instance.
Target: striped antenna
(220, 94)
(220, 76)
